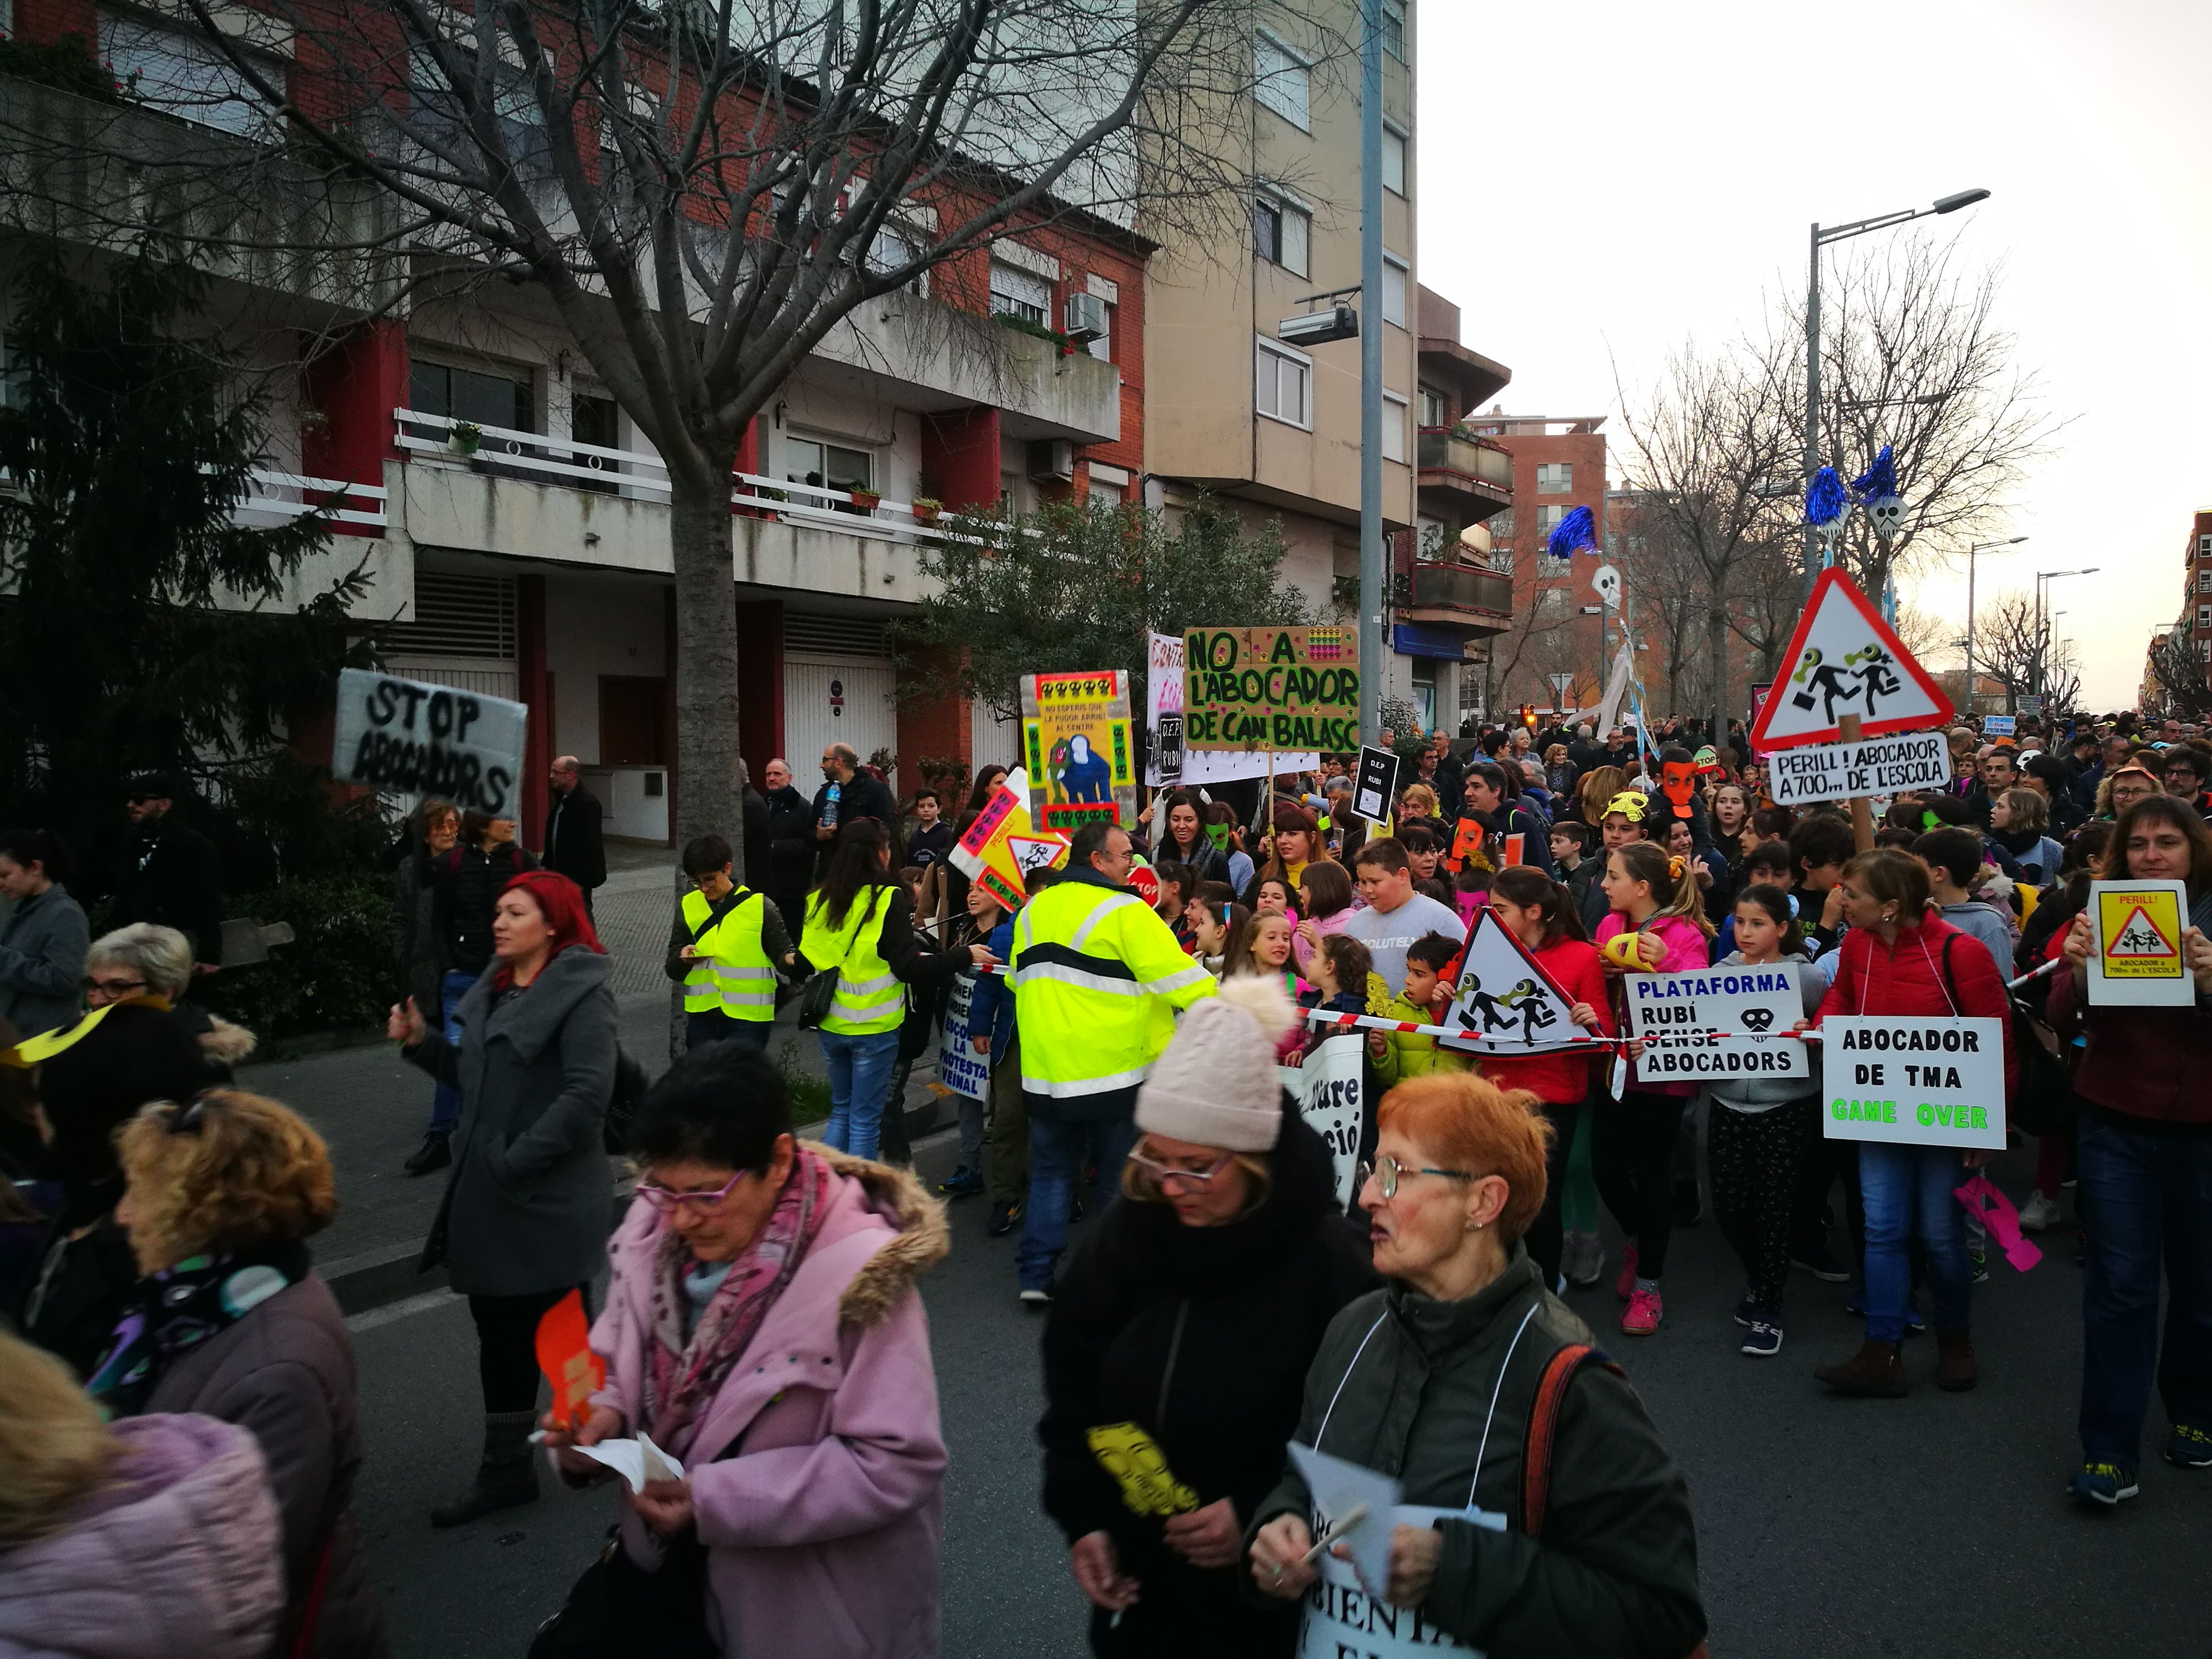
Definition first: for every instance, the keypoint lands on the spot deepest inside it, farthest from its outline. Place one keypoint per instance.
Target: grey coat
(531, 1201)
(42, 946)
(1759, 1094)
(286, 1373)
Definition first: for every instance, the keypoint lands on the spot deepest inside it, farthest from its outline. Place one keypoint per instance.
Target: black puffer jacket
(1201, 1336)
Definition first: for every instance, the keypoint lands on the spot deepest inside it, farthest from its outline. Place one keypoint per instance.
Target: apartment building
(1559, 464)
(2196, 618)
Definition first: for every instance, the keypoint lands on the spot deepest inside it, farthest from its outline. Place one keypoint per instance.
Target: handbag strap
(303, 1640)
(729, 901)
(1544, 1427)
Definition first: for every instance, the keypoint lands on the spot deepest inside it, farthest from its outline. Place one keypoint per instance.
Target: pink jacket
(817, 1472)
(1687, 946)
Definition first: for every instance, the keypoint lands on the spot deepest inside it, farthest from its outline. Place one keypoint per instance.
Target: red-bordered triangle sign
(1503, 997)
(2138, 942)
(1845, 659)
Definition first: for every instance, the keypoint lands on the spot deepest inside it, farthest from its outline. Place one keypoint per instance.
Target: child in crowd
(1214, 923)
(1571, 841)
(1262, 946)
(1953, 859)
(1177, 884)
(1769, 864)
(1325, 891)
(1270, 896)
(992, 1034)
(1403, 1055)
(1624, 821)
(1340, 968)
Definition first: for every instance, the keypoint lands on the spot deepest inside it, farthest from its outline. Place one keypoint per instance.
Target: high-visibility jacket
(869, 996)
(730, 973)
(1098, 980)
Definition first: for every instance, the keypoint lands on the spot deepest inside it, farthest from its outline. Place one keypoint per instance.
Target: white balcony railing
(288, 495)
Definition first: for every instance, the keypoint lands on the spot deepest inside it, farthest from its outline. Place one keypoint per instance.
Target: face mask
(1219, 835)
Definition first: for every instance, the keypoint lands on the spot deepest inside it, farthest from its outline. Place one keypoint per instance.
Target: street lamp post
(1821, 237)
(2010, 542)
(2042, 627)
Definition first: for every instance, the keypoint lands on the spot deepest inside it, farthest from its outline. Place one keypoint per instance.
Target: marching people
(725, 949)
(524, 1220)
(1394, 914)
(418, 949)
(1426, 994)
(1176, 1352)
(847, 795)
(1324, 902)
(1214, 922)
(231, 1322)
(1184, 839)
(167, 872)
(43, 939)
(992, 1034)
(983, 920)
(575, 844)
(143, 961)
(1443, 1378)
(790, 866)
(1098, 979)
(1900, 956)
(764, 1327)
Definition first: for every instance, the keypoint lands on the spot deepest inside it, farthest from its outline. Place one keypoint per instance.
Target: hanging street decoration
(1574, 533)
(1875, 491)
(1824, 509)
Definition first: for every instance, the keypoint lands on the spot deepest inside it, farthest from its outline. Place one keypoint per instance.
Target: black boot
(435, 1153)
(507, 1478)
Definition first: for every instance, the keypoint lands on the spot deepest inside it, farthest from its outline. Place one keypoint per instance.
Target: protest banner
(1173, 764)
(1331, 1091)
(1271, 689)
(2137, 961)
(406, 738)
(1002, 845)
(1917, 1082)
(1375, 785)
(1998, 726)
(1075, 735)
(1912, 762)
(959, 1067)
(1502, 1001)
(1715, 1022)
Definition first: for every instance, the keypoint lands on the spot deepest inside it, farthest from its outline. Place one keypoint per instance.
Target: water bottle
(829, 804)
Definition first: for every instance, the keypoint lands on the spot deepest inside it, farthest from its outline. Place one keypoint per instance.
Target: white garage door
(837, 700)
(996, 743)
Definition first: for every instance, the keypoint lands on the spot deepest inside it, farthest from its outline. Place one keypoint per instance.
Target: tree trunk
(707, 795)
(1716, 634)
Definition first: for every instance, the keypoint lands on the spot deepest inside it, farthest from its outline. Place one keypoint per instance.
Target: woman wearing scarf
(232, 1322)
(524, 1220)
(763, 1326)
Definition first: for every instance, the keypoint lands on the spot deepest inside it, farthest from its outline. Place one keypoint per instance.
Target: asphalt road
(1933, 1525)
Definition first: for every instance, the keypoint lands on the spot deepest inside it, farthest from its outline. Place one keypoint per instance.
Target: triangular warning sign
(2138, 937)
(1503, 999)
(1845, 659)
(1034, 853)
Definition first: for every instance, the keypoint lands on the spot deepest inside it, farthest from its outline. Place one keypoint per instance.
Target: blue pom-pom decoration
(1824, 497)
(1571, 534)
(1877, 480)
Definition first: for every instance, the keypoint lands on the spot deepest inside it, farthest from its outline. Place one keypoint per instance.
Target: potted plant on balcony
(465, 438)
(927, 509)
(868, 500)
(313, 422)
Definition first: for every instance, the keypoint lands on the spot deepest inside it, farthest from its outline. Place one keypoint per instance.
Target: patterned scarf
(682, 1376)
(180, 1307)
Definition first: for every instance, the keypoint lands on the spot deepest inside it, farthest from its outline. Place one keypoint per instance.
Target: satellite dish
(1605, 583)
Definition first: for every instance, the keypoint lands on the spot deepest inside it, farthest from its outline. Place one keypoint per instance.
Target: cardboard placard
(1002, 847)
(1375, 785)
(1845, 659)
(1502, 999)
(1075, 733)
(1917, 1082)
(1280, 689)
(406, 738)
(2137, 962)
(1998, 726)
(1715, 1022)
(1173, 760)
(1903, 764)
(959, 1067)
(1331, 1089)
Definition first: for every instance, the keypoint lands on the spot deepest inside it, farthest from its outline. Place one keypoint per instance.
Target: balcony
(1476, 472)
(271, 497)
(1460, 596)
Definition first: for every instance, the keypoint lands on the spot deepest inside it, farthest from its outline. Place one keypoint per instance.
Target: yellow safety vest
(869, 996)
(732, 972)
(1098, 980)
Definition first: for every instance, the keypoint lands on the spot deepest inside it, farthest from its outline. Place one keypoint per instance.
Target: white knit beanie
(1215, 1086)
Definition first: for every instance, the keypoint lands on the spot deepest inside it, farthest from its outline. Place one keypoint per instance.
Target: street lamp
(1821, 238)
(2042, 627)
(2014, 541)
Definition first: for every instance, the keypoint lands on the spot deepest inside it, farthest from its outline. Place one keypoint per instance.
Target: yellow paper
(1133, 1458)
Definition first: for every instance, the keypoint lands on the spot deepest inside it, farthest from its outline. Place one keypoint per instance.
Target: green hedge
(337, 974)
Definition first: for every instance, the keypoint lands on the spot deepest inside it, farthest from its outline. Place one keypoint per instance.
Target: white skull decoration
(1605, 581)
(1886, 513)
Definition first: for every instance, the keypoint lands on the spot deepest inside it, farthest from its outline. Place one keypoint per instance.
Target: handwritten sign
(408, 738)
(1271, 689)
(1173, 761)
(1075, 734)
(1879, 766)
(959, 1067)
(1331, 1090)
(1917, 1082)
(1001, 848)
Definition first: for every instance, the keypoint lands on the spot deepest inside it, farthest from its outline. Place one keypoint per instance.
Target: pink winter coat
(178, 1556)
(824, 1529)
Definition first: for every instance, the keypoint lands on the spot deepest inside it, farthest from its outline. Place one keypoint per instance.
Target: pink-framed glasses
(666, 1198)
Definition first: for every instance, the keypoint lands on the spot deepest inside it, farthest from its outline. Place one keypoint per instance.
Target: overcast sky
(1599, 182)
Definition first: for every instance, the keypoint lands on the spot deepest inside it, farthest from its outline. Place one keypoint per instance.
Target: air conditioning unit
(1083, 319)
(1052, 457)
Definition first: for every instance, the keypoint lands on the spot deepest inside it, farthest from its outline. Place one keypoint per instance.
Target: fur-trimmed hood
(226, 1044)
(923, 1237)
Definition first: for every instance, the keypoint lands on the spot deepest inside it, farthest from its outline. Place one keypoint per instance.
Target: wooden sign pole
(1847, 729)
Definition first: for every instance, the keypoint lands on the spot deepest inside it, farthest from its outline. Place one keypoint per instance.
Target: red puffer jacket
(1932, 969)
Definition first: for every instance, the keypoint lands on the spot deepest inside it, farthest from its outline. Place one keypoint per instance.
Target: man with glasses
(2185, 770)
(848, 792)
(167, 874)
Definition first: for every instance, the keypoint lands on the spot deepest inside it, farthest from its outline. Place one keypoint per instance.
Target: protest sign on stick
(1715, 1022)
(1075, 734)
(1280, 689)
(406, 738)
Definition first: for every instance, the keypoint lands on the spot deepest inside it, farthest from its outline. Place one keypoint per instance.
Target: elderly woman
(42, 941)
(231, 1324)
(148, 960)
(1182, 1334)
(525, 1217)
(763, 1326)
(1439, 1378)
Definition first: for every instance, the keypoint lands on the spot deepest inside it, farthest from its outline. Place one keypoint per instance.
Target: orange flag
(564, 1354)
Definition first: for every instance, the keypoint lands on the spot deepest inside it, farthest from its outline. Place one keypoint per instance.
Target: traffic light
(1528, 715)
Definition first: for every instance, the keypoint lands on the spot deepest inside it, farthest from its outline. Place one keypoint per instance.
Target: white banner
(1919, 1082)
(1330, 1088)
(1163, 686)
(959, 1067)
(1876, 766)
(408, 738)
(1677, 1016)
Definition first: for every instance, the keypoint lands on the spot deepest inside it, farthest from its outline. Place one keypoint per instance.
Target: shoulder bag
(820, 992)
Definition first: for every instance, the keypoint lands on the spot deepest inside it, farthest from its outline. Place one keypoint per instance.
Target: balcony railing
(1462, 587)
(1444, 450)
(288, 495)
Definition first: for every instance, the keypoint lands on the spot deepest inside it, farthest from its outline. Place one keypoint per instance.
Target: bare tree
(1668, 601)
(2182, 675)
(1766, 595)
(2018, 649)
(700, 194)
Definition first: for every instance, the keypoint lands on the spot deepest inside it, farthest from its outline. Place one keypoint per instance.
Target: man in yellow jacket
(1098, 978)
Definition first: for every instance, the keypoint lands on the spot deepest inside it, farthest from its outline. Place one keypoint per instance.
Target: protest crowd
(1299, 1114)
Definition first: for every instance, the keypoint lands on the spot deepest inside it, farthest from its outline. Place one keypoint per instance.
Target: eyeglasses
(667, 1198)
(1163, 1172)
(111, 989)
(1385, 1170)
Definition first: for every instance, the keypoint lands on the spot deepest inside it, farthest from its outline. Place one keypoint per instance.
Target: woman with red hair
(526, 1212)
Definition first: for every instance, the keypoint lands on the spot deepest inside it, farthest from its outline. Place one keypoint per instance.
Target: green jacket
(1410, 1053)
(1615, 1572)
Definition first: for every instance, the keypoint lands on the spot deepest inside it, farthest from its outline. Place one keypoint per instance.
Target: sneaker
(1642, 1315)
(2103, 1483)
(2189, 1448)
(1584, 1259)
(1004, 1214)
(1818, 1262)
(435, 1153)
(1763, 1339)
(962, 1183)
(2039, 1212)
(1747, 1312)
(1036, 1301)
(1977, 1263)
(1624, 1286)
(1689, 1203)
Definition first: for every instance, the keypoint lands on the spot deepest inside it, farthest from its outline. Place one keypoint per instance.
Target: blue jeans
(445, 1099)
(2147, 1196)
(860, 1082)
(1908, 1190)
(1056, 1155)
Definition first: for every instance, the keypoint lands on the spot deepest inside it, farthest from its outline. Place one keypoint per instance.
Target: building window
(1436, 409)
(1395, 411)
(1106, 497)
(183, 75)
(469, 394)
(1547, 518)
(2204, 547)
(893, 248)
(1394, 29)
(2204, 581)
(1555, 478)
(826, 465)
(1282, 235)
(1018, 292)
(1283, 385)
(1393, 160)
(1280, 80)
(1102, 347)
(1501, 527)
(1394, 290)
(2204, 616)
(2204, 650)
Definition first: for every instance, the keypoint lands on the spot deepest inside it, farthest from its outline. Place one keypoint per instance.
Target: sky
(1598, 184)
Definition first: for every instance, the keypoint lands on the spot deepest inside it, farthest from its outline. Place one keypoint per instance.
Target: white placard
(1331, 1090)
(959, 1067)
(1503, 1002)
(1998, 726)
(1164, 696)
(1919, 1082)
(1876, 766)
(1676, 1015)
(1375, 783)
(2138, 962)
(408, 738)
